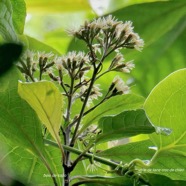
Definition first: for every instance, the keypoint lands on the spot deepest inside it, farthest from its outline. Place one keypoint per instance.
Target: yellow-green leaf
(45, 98)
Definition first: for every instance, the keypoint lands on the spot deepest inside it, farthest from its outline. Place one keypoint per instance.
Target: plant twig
(86, 155)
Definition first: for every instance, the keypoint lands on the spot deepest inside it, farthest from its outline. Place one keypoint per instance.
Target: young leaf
(45, 98)
(125, 124)
(113, 106)
(165, 106)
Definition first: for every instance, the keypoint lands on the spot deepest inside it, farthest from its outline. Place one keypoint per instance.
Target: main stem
(84, 106)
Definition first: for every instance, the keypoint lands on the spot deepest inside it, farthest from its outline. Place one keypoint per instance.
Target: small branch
(86, 155)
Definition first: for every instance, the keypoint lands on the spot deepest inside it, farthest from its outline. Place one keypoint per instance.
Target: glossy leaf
(165, 106)
(125, 124)
(6, 25)
(45, 98)
(113, 106)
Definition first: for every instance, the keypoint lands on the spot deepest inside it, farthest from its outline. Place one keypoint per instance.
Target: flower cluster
(116, 34)
(32, 61)
(76, 64)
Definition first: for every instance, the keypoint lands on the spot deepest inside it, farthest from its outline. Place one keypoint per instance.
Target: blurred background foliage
(160, 23)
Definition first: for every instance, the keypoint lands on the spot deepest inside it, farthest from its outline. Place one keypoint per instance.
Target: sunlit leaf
(165, 106)
(45, 98)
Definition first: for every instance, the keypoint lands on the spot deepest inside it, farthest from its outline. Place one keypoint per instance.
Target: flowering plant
(70, 119)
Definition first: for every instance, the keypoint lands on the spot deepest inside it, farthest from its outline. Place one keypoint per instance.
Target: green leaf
(6, 26)
(19, 15)
(125, 124)
(18, 163)
(36, 45)
(45, 98)
(165, 106)
(17, 119)
(113, 106)
(18, 122)
(125, 153)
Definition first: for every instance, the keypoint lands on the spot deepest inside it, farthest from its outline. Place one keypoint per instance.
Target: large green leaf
(17, 119)
(113, 106)
(165, 106)
(6, 25)
(18, 122)
(19, 15)
(45, 98)
(20, 164)
(125, 124)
